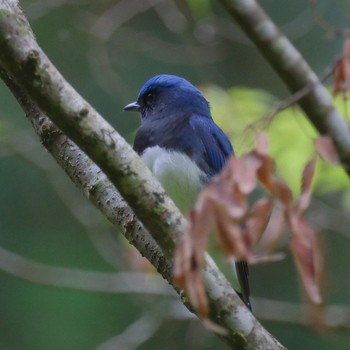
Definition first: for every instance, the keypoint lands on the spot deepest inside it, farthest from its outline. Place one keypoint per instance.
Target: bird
(182, 146)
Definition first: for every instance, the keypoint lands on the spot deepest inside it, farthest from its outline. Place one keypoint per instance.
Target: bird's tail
(242, 275)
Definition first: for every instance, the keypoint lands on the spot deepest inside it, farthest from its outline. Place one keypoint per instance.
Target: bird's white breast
(181, 178)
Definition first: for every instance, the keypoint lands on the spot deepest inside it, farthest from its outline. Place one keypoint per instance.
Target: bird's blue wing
(216, 144)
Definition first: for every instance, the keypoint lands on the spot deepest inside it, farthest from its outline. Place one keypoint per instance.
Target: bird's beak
(133, 106)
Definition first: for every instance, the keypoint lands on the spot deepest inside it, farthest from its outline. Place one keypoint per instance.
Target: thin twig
(327, 26)
(288, 102)
(135, 334)
(89, 281)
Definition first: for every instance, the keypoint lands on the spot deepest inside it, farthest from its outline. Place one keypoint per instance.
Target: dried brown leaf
(346, 54)
(325, 148)
(339, 77)
(259, 217)
(182, 260)
(266, 172)
(224, 204)
(231, 238)
(306, 182)
(283, 193)
(225, 194)
(306, 256)
(274, 232)
(262, 144)
(196, 292)
(200, 220)
(342, 70)
(189, 258)
(233, 202)
(244, 172)
(246, 176)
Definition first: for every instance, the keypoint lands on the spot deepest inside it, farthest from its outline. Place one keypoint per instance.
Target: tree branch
(38, 87)
(87, 176)
(27, 64)
(90, 281)
(294, 71)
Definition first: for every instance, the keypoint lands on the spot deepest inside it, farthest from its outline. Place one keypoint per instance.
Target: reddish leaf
(257, 222)
(223, 204)
(225, 192)
(339, 77)
(266, 172)
(272, 236)
(200, 220)
(306, 181)
(231, 239)
(306, 256)
(189, 259)
(182, 261)
(342, 70)
(229, 207)
(244, 171)
(262, 144)
(283, 193)
(325, 148)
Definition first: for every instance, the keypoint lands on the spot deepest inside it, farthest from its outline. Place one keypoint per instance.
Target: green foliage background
(197, 40)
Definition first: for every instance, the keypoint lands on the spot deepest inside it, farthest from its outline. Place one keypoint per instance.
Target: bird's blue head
(166, 94)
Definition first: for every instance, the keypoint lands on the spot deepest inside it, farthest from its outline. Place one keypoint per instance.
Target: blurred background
(68, 280)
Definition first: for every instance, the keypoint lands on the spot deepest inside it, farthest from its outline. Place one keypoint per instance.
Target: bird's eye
(149, 98)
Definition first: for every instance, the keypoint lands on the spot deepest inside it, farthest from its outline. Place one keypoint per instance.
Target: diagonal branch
(87, 176)
(25, 61)
(38, 87)
(294, 71)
